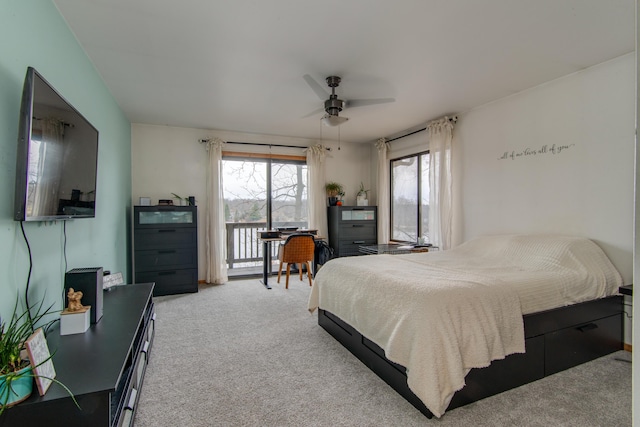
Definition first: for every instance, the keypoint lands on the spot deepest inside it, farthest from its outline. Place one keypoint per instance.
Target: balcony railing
(244, 248)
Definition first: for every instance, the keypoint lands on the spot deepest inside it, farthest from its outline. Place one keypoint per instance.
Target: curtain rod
(451, 119)
(71, 125)
(205, 140)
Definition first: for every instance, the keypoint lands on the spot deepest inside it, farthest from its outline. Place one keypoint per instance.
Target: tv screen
(57, 156)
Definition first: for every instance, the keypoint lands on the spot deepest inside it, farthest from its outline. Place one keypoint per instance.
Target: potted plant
(333, 191)
(182, 201)
(16, 371)
(362, 196)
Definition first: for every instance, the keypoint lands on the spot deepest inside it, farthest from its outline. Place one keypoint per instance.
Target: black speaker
(89, 282)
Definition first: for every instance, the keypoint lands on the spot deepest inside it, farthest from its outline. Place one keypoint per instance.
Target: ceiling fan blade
(314, 112)
(319, 90)
(364, 102)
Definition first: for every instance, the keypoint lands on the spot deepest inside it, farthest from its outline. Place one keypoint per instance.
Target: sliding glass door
(260, 194)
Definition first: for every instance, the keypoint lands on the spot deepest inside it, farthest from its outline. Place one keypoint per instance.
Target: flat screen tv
(57, 156)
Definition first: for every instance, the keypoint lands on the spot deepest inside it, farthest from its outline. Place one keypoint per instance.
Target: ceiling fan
(333, 105)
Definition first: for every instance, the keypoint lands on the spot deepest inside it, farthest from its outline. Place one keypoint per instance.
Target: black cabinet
(165, 242)
(104, 367)
(351, 227)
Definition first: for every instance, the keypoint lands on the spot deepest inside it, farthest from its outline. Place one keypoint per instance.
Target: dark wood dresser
(165, 243)
(351, 227)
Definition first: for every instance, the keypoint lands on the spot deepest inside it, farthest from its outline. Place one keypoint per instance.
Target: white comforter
(440, 314)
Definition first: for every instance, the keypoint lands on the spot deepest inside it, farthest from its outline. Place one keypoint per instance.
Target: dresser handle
(166, 252)
(358, 225)
(587, 327)
(163, 230)
(358, 242)
(132, 399)
(166, 273)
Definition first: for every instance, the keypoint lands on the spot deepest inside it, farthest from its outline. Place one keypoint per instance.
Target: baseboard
(627, 347)
(201, 282)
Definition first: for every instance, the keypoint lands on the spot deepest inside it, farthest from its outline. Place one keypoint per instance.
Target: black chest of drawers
(165, 242)
(351, 227)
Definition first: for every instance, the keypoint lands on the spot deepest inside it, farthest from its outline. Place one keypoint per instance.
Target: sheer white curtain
(440, 199)
(215, 227)
(383, 190)
(316, 194)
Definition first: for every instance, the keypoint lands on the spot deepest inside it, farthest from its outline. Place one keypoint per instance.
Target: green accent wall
(33, 33)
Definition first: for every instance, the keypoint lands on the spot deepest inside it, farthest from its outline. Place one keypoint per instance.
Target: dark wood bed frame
(555, 340)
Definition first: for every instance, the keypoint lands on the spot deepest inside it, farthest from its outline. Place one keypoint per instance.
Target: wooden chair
(297, 249)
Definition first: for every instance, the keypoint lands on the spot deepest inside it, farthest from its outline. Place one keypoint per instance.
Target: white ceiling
(239, 65)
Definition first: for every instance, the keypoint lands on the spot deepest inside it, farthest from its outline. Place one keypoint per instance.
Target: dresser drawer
(352, 247)
(358, 231)
(166, 259)
(160, 238)
(170, 281)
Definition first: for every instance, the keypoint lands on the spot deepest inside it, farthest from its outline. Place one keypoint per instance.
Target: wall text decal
(528, 152)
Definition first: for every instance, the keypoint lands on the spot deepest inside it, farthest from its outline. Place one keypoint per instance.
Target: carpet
(241, 355)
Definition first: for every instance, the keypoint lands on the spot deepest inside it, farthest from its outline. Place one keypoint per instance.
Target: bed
(448, 328)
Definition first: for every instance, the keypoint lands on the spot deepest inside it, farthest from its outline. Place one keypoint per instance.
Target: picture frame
(43, 369)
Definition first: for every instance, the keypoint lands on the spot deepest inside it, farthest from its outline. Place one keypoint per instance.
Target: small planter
(334, 191)
(17, 389)
(362, 201)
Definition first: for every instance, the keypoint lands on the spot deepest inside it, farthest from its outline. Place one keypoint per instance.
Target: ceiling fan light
(329, 120)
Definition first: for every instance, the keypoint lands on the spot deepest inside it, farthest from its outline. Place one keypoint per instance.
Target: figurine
(74, 298)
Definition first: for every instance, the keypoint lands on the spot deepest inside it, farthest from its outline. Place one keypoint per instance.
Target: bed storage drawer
(577, 344)
(503, 375)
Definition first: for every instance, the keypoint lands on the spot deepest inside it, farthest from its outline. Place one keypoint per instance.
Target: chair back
(298, 248)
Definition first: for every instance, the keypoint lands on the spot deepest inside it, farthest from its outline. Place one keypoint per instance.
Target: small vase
(18, 388)
(333, 201)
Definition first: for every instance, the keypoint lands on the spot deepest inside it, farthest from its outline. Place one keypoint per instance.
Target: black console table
(103, 367)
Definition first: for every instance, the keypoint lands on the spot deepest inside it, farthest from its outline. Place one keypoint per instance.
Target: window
(410, 198)
(270, 191)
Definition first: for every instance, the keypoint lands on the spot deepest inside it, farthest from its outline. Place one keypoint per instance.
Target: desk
(266, 258)
(266, 255)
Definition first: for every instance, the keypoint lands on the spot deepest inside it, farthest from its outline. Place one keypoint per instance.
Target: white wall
(584, 189)
(171, 160)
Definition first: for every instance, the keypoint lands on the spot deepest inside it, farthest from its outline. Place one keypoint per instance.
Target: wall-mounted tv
(57, 156)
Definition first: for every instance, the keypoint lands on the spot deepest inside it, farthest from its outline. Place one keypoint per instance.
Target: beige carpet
(240, 355)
